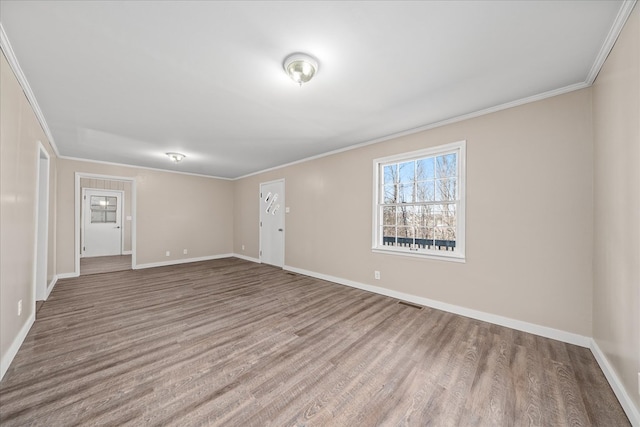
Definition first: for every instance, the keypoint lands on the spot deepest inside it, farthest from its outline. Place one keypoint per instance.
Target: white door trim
(281, 180)
(78, 208)
(41, 245)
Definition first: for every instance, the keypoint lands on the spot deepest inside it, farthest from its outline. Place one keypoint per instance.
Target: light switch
(287, 209)
(129, 218)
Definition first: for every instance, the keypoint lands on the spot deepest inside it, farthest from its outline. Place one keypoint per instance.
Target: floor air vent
(408, 304)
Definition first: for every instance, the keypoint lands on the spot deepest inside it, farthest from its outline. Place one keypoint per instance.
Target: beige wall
(125, 187)
(174, 212)
(616, 113)
(20, 132)
(529, 216)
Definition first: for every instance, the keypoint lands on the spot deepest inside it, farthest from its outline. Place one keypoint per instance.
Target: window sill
(450, 257)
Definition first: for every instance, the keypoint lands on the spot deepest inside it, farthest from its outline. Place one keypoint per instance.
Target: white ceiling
(125, 82)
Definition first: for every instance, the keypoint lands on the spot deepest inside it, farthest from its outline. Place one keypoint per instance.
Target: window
(103, 209)
(419, 203)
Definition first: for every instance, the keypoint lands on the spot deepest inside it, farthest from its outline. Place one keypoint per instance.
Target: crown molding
(483, 112)
(102, 162)
(614, 32)
(22, 80)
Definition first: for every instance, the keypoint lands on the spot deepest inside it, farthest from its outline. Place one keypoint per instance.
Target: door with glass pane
(102, 223)
(272, 223)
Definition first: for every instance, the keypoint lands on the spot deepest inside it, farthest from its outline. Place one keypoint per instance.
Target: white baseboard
(180, 261)
(67, 275)
(50, 287)
(629, 407)
(127, 252)
(7, 358)
(247, 258)
(520, 325)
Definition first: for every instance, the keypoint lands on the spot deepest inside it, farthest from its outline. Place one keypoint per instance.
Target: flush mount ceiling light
(176, 157)
(300, 67)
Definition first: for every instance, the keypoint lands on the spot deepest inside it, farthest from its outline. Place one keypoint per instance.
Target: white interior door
(102, 223)
(272, 209)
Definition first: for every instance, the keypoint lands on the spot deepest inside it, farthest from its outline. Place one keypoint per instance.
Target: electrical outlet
(376, 275)
(184, 251)
(243, 247)
(19, 307)
(168, 253)
(638, 382)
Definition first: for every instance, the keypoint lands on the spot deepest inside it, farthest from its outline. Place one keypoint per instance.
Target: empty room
(320, 213)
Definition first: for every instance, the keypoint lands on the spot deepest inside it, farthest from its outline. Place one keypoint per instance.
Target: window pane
(405, 237)
(389, 236)
(389, 215)
(446, 189)
(449, 208)
(422, 215)
(446, 166)
(421, 232)
(425, 191)
(449, 234)
(407, 172)
(425, 169)
(111, 216)
(406, 193)
(406, 216)
(449, 215)
(391, 193)
(430, 216)
(97, 216)
(390, 174)
(112, 201)
(98, 201)
(438, 216)
(424, 237)
(431, 233)
(445, 238)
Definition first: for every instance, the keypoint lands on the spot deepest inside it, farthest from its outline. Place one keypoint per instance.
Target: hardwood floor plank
(525, 370)
(104, 264)
(233, 343)
(449, 406)
(590, 380)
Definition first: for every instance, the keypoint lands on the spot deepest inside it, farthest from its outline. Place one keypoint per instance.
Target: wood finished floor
(104, 264)
(233, 343)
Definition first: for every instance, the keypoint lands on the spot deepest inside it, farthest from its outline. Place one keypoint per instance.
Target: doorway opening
(105, 223)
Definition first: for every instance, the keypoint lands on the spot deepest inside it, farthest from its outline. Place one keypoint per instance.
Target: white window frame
(458, 254)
